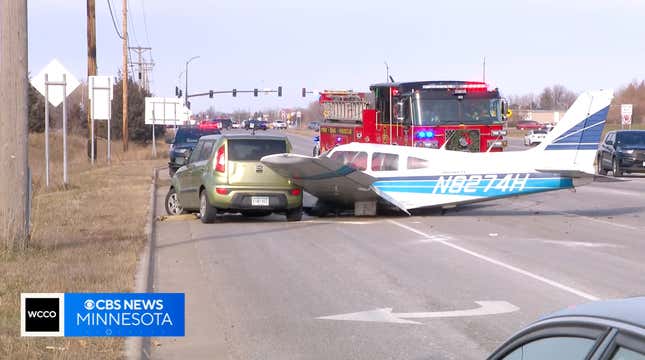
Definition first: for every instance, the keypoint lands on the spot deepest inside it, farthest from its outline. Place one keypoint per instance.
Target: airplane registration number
(456, 184)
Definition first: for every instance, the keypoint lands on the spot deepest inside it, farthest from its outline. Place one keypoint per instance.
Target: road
(257, 288)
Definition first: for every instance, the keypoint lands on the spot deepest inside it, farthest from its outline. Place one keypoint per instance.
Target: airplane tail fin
(573, 142)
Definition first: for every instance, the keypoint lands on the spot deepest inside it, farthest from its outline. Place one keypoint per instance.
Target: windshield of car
(631, 138)
(453, 111)
(254, 149)
(192, 135)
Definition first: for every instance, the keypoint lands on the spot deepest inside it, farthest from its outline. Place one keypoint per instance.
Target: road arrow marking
(386, 314)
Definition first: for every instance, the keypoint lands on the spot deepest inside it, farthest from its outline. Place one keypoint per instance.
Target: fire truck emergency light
(425, 134)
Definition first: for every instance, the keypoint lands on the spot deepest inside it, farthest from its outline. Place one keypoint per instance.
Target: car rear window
(254, 149)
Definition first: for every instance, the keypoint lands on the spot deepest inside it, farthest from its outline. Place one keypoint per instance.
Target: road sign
(386, 314)
(166, 111)
(626, 114)
(55, 71)
(101, 92)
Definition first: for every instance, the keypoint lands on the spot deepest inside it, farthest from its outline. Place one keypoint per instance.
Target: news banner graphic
(102, 314)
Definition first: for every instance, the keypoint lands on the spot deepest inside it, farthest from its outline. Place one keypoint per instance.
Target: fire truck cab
(455, 115)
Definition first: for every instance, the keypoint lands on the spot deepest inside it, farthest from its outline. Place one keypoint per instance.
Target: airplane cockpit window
(416, 163)
(357, 159)
(385, 162)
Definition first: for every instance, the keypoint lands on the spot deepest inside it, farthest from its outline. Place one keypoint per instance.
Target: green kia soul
(224, 174)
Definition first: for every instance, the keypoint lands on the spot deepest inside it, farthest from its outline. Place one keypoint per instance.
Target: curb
(137, 348)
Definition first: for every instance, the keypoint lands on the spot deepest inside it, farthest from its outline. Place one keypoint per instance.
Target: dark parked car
(256, 124)
(622, 151)
(184, 142)
(529, 125)
(602, 330)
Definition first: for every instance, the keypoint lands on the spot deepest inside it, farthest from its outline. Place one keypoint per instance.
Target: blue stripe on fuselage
(485, 185)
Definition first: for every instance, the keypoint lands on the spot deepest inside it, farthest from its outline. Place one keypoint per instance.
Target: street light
(186, 75)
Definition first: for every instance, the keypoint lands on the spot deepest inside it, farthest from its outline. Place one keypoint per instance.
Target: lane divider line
(539, 278)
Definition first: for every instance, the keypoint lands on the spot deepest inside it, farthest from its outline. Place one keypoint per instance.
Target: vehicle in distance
(528, 125)
(622, 151)
(224, 123)
(610, 329)
(235, 125)
(224, 174)
(255, 124)
(535, 137)
(279, 124)
(314, 125)
(185, 140)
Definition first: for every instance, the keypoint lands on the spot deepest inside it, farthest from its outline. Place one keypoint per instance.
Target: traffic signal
(210, 94)
(234, 92)
(304, 92)
(181, 93)
(177, 91)
(279, 90)
(188, 104)
(255, 92)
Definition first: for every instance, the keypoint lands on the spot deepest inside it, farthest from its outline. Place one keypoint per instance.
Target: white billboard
(166, 111)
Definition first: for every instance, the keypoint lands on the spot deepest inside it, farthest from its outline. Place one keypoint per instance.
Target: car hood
(632, 147)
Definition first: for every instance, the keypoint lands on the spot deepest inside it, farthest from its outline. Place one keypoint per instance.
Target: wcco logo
(41, 314)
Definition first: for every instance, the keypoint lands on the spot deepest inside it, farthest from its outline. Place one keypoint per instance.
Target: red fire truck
(455, 115)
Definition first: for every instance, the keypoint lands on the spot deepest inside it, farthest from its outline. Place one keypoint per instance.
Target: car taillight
(295, 192)
(221, 190)
(220, 160)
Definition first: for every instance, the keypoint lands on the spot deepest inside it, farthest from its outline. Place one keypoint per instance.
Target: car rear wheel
(173, 207)
(615, 169)
(601, 170)
(207, 212)
(294, 214)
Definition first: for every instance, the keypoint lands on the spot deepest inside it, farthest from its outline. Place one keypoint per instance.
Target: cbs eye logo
(41, 314)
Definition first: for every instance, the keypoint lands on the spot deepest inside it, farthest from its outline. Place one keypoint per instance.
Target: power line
(114, 21)
(134, 31)
(145, 22)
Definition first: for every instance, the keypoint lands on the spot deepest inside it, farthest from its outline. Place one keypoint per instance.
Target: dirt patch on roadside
(85, 238)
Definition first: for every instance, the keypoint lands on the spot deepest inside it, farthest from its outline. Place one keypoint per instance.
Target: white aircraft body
(414, 177)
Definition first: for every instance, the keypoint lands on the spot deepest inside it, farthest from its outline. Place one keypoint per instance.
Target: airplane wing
(328, 180)
(581, 177)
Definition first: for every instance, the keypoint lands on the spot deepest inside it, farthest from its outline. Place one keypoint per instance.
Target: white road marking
(386, 314)
(542, 279)
(580, 244)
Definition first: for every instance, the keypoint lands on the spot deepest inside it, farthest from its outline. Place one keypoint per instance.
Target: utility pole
(144, 66)
(484, 70)
(14, 183)
(91, 55)
(125, 75)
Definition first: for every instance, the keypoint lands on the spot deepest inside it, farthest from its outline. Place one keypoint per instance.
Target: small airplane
(358, 175)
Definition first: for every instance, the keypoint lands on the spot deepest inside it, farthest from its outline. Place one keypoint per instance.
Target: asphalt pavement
(396, 287)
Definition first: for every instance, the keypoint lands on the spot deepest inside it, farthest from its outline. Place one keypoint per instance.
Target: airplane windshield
(451, 111)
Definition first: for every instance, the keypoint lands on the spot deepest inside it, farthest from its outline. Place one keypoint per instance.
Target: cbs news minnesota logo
(42, 314)
(102, 314)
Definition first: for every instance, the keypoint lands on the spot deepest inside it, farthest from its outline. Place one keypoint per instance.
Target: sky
(341, 44)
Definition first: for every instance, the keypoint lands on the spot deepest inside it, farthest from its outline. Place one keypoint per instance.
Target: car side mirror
(180, 160)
